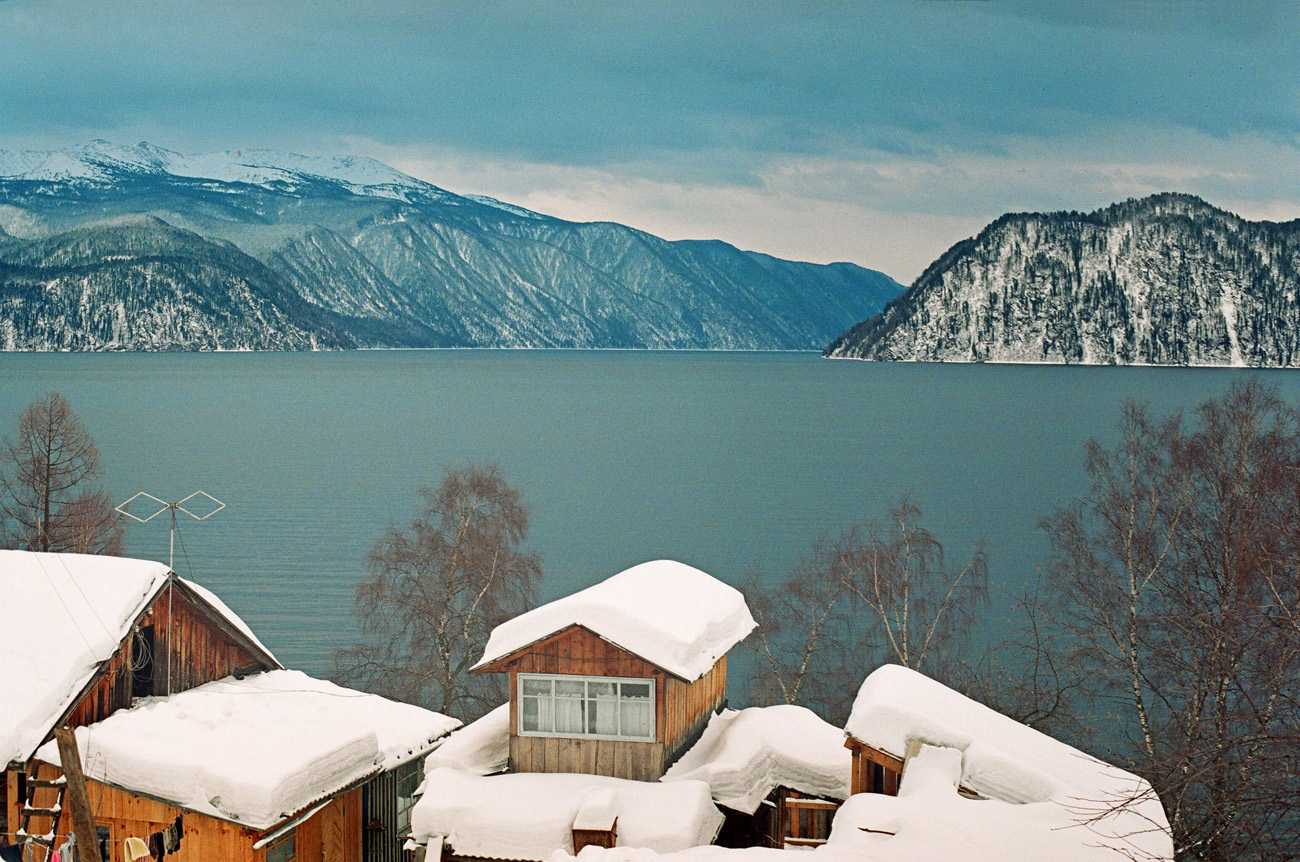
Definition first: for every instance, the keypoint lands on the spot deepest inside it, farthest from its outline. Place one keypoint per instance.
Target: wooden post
(78, 803)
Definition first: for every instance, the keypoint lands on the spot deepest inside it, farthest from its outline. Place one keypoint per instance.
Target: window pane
(638, 718)
(529, 715)
(601, 689)
(570, 688)
(537, 686)
(568, 707)
(602, 717)
(636, 690)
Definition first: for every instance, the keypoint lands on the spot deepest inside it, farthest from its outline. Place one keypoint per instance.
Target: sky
(874, 132)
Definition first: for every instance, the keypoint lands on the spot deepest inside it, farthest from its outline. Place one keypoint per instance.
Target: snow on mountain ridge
(102, 161)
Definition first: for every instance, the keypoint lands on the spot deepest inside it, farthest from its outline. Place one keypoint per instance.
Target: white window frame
(568, 677)
(413, 769)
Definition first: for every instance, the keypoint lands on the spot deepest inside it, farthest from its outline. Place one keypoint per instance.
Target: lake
(728, 461)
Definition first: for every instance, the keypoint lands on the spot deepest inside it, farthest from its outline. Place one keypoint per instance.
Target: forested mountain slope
(1167, 280)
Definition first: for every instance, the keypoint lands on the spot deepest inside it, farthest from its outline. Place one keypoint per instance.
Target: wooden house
(621, 678)
(81, 639)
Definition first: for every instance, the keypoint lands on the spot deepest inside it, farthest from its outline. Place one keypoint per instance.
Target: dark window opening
(105, 836)
(142, 662)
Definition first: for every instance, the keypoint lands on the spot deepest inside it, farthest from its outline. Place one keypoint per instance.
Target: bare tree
(47, 475)
(882, 592)
(435, 592)
(1179, 567)
(898, 572)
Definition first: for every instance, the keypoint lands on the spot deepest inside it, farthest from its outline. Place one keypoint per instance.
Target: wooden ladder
(44, 811)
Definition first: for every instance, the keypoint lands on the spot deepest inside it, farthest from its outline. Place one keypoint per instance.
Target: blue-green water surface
(728, 461)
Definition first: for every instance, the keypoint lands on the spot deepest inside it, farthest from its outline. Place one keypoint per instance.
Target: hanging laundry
(156, 846)
(68, 851)
(56, 856)
(172, 836)
(135, 849)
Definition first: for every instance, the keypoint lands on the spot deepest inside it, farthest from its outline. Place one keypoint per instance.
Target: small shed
(621, 678)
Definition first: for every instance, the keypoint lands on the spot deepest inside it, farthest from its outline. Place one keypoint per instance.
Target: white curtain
(568, 706)
(637, 710)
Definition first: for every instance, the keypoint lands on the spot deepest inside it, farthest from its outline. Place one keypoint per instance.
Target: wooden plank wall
(687, 708)
(200, 652)
(379, 801)
(333, 834)
(873, 771)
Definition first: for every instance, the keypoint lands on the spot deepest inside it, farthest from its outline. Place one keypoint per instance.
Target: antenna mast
(171, 507)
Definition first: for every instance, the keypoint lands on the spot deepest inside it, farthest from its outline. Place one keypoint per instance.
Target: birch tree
(48, 491)
(881, 592)
(436, 589)
(1179, 569)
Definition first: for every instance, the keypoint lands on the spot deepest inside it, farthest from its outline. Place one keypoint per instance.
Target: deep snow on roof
(745, 755)
(60, 617)
(1002, 759)
(481, 747)
(668, 613)
(257, 750)
(929, 820)
(531, 816)
(222, 608)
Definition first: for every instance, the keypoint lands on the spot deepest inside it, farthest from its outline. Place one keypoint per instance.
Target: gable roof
(64, 616)
(254, 751)
(670, 614)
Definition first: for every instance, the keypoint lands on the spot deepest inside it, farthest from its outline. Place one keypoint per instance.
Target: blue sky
(879, 133)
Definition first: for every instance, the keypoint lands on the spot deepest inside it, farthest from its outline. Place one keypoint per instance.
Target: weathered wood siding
(333, 834)
(379, 803)
(201, 651)
(873, 771)
(687, 707)
(681, 710)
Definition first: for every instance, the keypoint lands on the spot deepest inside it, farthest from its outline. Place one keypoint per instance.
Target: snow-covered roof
(531, 816)
(929, 820)
(1002, 759)
(254, 751)
(233, 618)
(668, 613)
(744, 756)
(64, 615)
(61, 616)
(481, 747)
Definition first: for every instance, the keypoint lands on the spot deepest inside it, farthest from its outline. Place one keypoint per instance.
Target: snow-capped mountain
(1166, 280)
(104, 246)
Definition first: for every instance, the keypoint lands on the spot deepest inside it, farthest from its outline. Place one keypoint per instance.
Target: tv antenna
(173, 508)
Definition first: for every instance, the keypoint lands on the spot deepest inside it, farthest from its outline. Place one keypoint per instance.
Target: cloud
(864, 119)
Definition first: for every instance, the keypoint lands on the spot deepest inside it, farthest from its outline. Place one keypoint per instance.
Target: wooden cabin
(82, 638)
(579, 703)
(619, 679)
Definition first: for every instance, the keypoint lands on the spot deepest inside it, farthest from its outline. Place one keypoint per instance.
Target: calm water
(728, 461)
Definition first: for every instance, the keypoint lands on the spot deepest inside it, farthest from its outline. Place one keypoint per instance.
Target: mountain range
(116, 247)
(1165, 280)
